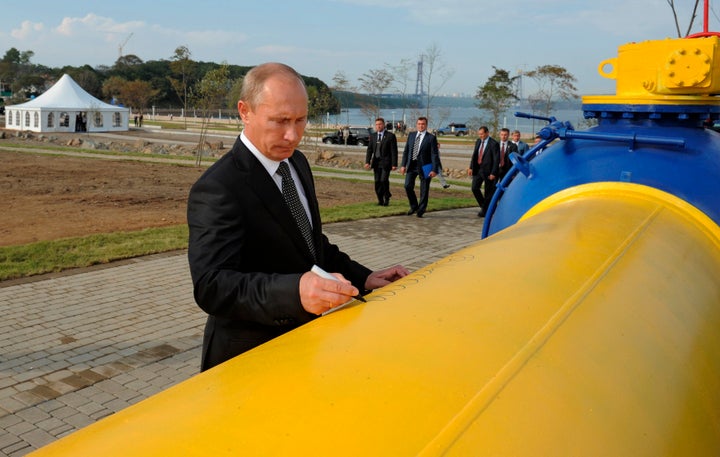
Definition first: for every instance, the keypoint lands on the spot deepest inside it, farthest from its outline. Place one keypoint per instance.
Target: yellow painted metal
(660, 70)
(588, 328)
(672, 67)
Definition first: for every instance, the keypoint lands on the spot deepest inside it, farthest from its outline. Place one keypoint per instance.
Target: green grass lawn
(53, 256)
(58, 255)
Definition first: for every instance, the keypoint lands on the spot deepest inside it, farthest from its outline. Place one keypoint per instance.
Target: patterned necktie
(292, 199)
(502, 155)
(482, 149)
(416, 146)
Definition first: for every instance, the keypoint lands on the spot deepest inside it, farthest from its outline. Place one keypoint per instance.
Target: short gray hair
(254, 80)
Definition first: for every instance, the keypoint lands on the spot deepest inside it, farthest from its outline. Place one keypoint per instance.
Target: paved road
(456, 156)
(352, 151)
(79, 346)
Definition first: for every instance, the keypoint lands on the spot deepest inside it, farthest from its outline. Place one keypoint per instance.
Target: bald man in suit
(251, 248)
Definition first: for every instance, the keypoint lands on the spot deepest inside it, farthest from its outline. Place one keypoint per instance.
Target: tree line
(204, 87)
(176, 81)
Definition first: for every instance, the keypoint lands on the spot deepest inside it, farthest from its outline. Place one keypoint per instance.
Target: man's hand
(318, 295)
(384, 277)
(367, 166)
(402, 170)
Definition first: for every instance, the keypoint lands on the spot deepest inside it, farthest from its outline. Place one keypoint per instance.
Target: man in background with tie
(506, 147)
(484, 166)
(255, 229)
(382, 157)
(420, 158)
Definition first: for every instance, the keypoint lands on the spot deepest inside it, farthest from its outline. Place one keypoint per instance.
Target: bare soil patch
(47, 197)
(51, 197)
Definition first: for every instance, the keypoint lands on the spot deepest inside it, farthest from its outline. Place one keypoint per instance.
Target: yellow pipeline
(588, 328)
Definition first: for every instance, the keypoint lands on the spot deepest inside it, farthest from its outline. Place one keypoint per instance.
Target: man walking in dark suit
(484, 166)
(255, 229)
(506, 147)
(382, 157)
(420, 158)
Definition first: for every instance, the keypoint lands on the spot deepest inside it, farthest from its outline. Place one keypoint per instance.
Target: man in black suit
(420, 158)
(382, 157)
(484, 168)
(506, 147)
(251, 247)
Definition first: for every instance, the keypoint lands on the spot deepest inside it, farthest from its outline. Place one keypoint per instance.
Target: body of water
(440, 117)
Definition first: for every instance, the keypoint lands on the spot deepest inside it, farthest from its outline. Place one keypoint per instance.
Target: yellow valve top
(663, 71)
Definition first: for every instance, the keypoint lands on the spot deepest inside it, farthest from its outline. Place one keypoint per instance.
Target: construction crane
(121, 45)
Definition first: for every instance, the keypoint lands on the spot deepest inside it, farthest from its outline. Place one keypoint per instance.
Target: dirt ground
(46, 197)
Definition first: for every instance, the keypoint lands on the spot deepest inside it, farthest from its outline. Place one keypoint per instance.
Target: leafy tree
(312, 93)
(12, 55)
(135, 94)
(210, 92)
(320, 100)
(26, 85)
(232, 100)
(138, 94)
(497, 95)
(182, 67)
(17, 72)
(553, 82)
(156, 71)
(129, 60)
(234, 93)
(128, 67)
(209, 95)
(112, 88)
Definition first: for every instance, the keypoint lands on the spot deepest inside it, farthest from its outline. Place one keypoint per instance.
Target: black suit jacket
(490, 160)
(247, 254)
(428, 152)
(506, 164)
(388, 151)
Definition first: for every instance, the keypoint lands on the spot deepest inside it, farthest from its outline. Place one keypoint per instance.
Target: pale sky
(321, 37)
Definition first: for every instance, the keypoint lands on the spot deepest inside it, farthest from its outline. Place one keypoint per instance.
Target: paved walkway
(79, 346)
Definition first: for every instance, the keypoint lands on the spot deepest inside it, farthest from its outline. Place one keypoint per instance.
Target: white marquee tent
(66, 107)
